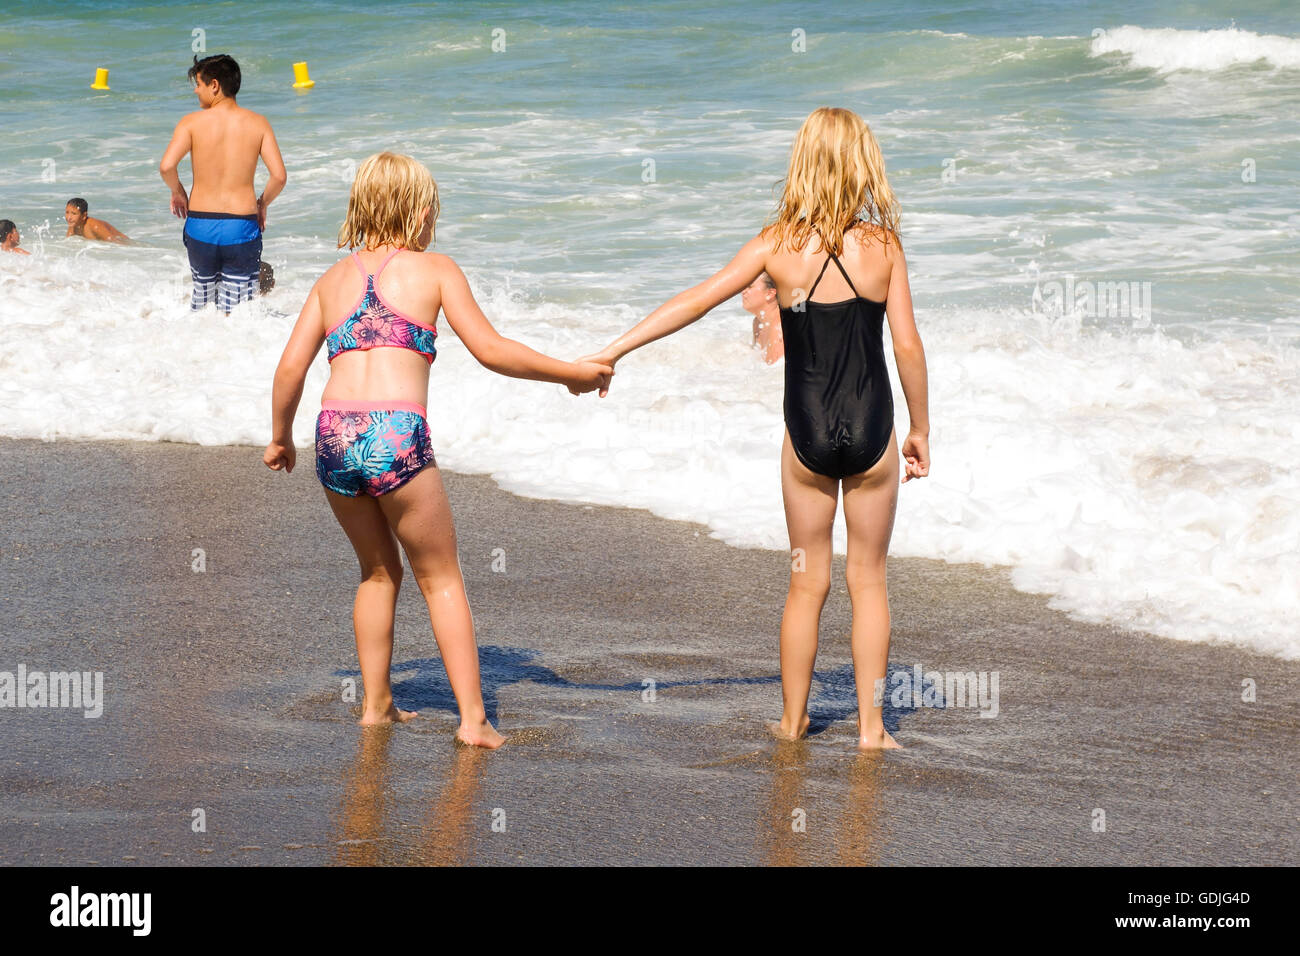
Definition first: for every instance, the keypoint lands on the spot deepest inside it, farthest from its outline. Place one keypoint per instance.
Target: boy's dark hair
(82, 206)
(6, 226)
(220, 67)
(265, 278)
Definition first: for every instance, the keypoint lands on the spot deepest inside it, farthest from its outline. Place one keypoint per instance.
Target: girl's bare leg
(420, 514)
(810, 501)
(376, 602)
(869, 503)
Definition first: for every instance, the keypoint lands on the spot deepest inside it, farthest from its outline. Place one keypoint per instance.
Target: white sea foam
(1167, 49)
(1136, 479)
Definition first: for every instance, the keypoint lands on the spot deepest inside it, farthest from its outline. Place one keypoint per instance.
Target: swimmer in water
(265, 278)
(80, 223)
(837, 207)
(376, 312)
(759, 298)
(9, 238)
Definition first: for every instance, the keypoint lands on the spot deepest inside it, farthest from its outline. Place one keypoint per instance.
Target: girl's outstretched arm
(304, 342)
(500, 354)
(685, 307)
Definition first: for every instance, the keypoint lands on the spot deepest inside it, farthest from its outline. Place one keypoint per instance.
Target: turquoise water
(1064, 160)
(1139, 464)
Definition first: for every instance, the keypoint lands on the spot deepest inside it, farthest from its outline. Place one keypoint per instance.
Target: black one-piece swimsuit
(839, 408)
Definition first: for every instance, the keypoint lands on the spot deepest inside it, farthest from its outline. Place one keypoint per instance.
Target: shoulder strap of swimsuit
(840, 266)
(387, 261)
(808, 298)
(360, 265)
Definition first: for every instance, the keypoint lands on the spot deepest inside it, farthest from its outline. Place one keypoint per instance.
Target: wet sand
(223, 694)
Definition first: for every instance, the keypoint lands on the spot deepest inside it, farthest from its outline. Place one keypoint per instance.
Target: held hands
(279, 455)
(591, 373)
(600, 360)
(916, 455)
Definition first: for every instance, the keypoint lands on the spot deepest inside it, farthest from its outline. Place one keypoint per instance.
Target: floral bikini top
(373, 324)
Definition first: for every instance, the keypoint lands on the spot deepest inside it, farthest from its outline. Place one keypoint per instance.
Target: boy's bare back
(224, 145)
(94, 228)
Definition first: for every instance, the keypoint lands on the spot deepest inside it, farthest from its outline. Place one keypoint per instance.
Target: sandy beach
(223, 693)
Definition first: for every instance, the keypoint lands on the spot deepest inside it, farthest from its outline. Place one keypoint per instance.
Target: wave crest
(1167, 49)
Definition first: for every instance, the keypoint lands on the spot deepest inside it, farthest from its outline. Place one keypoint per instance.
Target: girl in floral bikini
(373, 452)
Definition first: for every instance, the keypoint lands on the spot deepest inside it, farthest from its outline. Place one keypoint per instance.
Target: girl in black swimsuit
(839, 408)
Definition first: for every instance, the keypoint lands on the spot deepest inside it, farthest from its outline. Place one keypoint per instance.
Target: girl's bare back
(409, 285)
(864, 257)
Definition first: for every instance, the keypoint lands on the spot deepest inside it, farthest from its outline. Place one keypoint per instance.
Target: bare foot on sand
(479, 735)
(877, 739)
(390, 716)
(788, 729)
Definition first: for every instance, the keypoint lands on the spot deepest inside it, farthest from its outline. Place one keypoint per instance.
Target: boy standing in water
(224, 141)
(80, 223)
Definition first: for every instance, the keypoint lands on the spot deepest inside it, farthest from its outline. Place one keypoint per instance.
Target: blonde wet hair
(387, 203)
(836, 175)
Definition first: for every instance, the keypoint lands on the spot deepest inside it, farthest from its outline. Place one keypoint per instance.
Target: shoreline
(222, 693)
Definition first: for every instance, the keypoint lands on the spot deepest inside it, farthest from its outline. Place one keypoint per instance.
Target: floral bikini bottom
(370, 447)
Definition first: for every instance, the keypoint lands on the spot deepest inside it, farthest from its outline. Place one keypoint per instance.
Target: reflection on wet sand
(448, 829)
(369, 824)
(782, 832)
(366, 798)
(861, 824)
(794, 830)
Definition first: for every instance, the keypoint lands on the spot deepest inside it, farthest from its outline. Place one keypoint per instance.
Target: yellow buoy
(101, 79)
(301, 79)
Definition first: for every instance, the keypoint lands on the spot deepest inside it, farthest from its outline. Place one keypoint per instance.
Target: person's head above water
(836, 175)
(394, 201)
(759, 294)
(8, 233)
(215, 78)
(76, 209)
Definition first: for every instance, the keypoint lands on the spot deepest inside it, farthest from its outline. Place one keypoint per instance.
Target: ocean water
(1100, 211)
